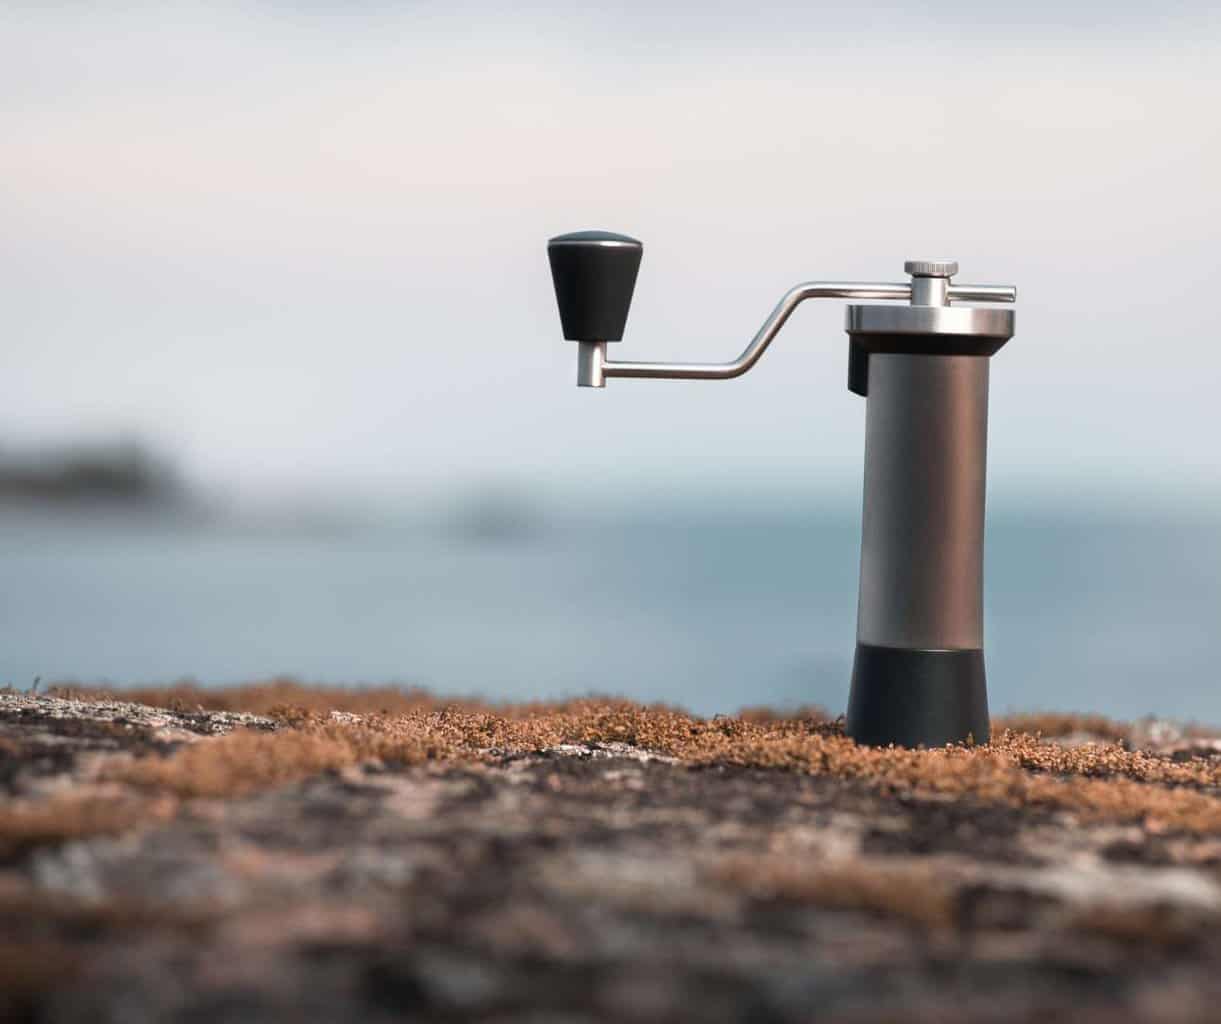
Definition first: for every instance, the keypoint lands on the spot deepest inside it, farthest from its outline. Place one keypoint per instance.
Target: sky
(302, 249)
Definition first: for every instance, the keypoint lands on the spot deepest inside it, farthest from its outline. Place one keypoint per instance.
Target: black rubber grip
(915, 698)
(594, 273)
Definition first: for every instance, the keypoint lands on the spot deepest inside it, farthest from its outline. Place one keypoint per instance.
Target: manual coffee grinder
(918, 673)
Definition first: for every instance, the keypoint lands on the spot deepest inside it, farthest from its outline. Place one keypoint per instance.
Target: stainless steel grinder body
(922, 526)
(918, 673)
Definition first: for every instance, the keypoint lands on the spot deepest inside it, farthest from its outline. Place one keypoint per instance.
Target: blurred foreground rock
(587, 882)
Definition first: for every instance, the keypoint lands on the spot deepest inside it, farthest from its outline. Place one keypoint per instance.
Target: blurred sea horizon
(1106, 607)
(302, 249)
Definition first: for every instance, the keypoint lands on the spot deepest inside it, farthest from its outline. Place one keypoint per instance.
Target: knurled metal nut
(931, 268)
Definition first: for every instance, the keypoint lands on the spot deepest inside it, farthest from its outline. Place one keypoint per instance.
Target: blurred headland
(91, 472)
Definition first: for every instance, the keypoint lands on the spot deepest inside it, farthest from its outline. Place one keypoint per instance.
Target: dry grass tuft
(1159, 926)
(25, 825)
(239, 763)
(263, 698)
(57, 912)
(912, 894)
(1056, 724)
(1105, 760)
(766, 715)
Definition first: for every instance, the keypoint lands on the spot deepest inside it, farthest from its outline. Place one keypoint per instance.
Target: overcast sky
(304, 249)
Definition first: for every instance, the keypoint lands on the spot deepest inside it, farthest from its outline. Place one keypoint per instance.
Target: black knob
(594, 274)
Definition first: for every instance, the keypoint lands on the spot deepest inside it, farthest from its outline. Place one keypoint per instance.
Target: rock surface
(593, 881)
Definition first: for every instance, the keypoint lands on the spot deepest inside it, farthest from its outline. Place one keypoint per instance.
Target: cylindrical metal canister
(926, 429)
(918, 673)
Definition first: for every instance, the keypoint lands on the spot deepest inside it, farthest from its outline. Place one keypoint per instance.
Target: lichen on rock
(282, 852)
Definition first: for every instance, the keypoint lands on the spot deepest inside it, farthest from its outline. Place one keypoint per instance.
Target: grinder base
(917, 698)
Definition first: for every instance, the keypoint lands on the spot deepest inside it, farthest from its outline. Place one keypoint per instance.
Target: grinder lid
(931, 325)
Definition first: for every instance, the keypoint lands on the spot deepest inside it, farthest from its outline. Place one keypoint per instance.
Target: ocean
(710, 611)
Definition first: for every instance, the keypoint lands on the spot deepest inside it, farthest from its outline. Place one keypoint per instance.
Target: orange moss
(27, 824)
(913, 894)
(1146, 927)
(1094, 782)
(1056, 724)
(20, 901)
(278, 695)
(263, 698)
(1097, 782)
(286, 697)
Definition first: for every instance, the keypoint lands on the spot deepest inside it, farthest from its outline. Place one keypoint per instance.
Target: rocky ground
(593, 862)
